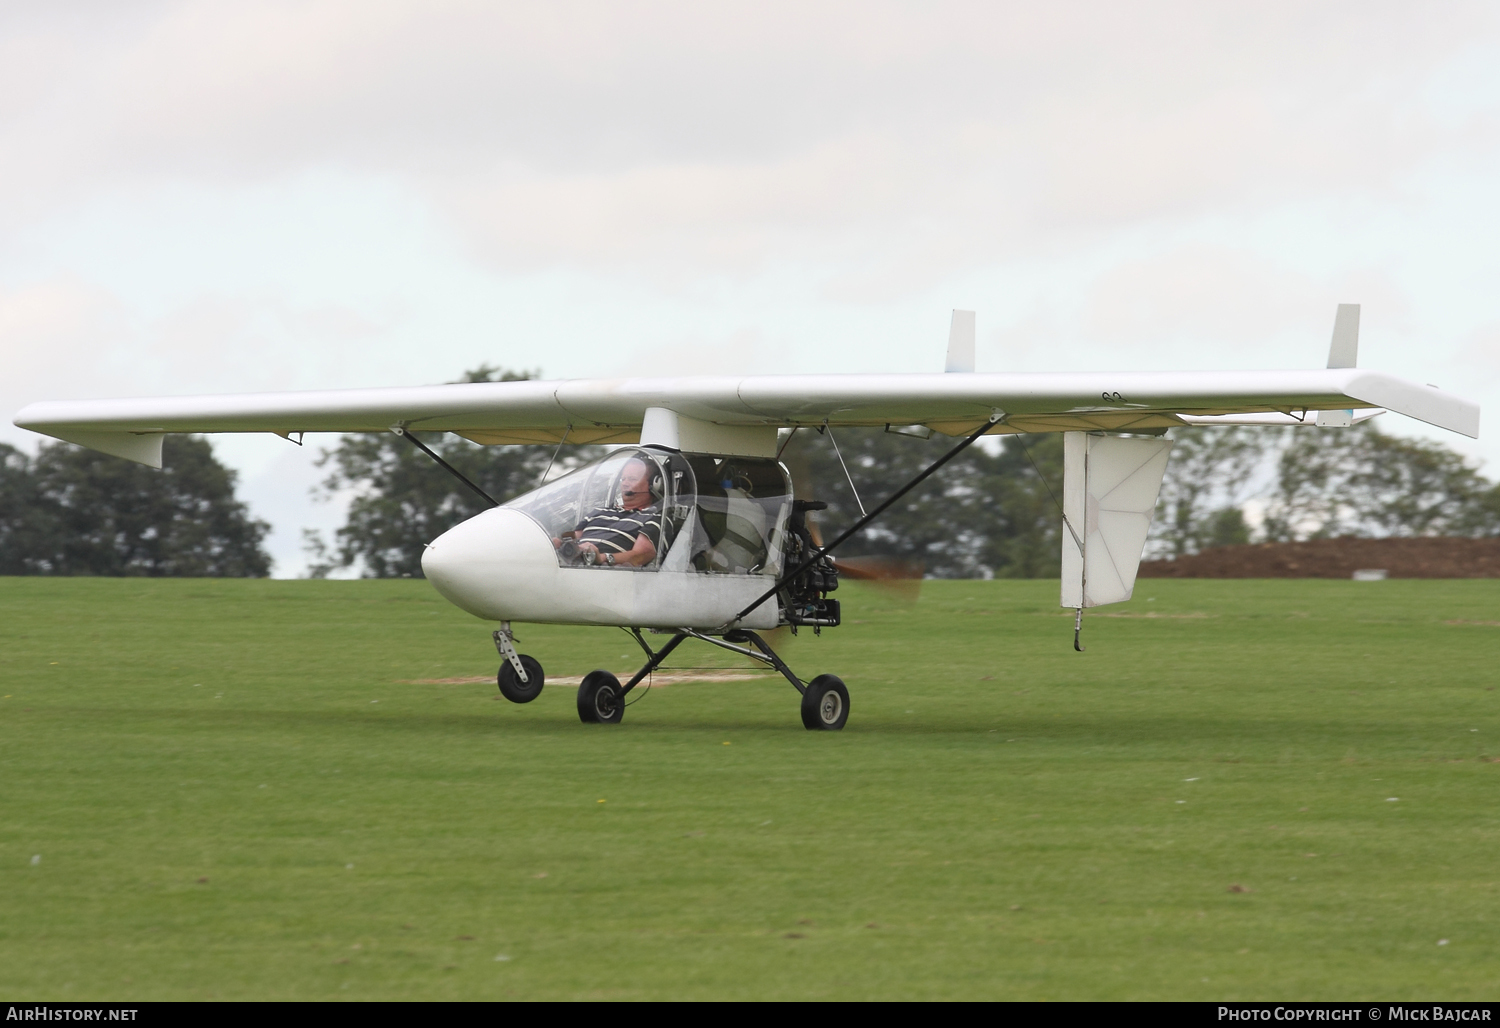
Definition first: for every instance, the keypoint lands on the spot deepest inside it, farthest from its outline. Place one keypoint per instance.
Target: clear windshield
(622, 510)
(712, 515)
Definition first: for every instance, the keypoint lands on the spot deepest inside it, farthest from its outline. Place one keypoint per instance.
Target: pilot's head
(733, 478)
(635, 485)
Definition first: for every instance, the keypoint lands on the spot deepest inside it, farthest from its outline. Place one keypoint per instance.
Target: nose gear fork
(505, 642)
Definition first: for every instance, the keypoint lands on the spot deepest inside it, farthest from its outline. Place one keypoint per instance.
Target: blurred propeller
(900, 577)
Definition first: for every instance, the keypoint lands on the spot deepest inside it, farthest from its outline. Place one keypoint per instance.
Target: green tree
(402, 500)
(72, 511)
(1207, 477)
(1019, 492)
(29, 521)
(1361, 481)
(1484, 516)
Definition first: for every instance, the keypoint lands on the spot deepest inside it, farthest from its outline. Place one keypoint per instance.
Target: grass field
(235, 789)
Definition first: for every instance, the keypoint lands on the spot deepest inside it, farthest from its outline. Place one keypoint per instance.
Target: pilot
(626, 535)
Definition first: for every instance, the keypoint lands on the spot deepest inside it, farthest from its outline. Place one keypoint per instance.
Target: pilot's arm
(641, 553)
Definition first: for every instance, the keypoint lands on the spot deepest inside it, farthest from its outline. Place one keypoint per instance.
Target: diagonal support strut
(823, 551)
(406, 434)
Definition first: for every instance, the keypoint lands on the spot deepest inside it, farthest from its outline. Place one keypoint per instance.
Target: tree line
(72, 511)
(1311, 483)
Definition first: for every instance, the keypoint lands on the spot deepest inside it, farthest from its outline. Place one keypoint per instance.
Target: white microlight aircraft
(689, 527)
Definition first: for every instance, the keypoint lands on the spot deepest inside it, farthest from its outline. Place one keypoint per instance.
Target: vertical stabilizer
(1343, 352)
(1110, 485)
(961, 342)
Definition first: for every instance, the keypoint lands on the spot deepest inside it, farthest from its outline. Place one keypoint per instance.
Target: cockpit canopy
(717, 515)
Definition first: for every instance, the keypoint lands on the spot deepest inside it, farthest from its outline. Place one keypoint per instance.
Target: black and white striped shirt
(615, 529)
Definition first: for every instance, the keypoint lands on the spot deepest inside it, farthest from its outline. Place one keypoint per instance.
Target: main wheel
(825, 704)
(515, 690)
(600, 699)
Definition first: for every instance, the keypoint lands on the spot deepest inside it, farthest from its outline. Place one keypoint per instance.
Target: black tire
(515, 690)
(825, 704)
(601, 701)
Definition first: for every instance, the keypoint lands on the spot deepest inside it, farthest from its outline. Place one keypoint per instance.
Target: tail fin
(1343, 352)
(961, 342)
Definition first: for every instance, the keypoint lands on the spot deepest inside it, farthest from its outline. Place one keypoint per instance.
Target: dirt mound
(1338, 558)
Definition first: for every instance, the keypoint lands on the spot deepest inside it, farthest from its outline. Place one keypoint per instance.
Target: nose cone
(491, 564)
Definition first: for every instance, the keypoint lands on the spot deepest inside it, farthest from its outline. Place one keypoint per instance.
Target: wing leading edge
(612, 410)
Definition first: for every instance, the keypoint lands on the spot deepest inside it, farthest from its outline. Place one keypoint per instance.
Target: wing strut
(840, 454)
(822, 552)
(409, 437)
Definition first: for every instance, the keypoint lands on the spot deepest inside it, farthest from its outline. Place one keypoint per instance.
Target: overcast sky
(221, 197)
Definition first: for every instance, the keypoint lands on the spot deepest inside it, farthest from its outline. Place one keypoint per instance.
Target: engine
(804, 598)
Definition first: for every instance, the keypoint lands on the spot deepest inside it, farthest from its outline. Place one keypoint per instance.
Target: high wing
(613, 410)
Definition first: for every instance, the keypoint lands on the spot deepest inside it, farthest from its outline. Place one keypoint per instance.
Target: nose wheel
(520, 676)
(511, 686)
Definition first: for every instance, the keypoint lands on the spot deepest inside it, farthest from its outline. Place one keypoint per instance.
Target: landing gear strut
(601, 697)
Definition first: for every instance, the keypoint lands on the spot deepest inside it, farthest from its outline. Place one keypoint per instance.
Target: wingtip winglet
(1424, 402)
